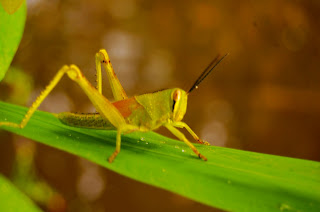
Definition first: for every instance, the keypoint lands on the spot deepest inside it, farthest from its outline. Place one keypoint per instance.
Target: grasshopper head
(179, 104)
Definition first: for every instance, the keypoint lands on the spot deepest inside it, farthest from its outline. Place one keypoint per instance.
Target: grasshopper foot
(113, 156)
(203, 142)
(10, 124)
(202, 157)
(199, 155)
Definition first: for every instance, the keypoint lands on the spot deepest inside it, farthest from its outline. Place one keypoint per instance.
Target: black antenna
(207, 71)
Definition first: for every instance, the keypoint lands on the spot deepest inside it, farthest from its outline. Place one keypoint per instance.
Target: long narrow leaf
(11, 30)
(231, 179)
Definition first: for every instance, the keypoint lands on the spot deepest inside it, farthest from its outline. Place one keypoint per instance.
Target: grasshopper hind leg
(105, 108)
(38, 101)
(102, 58)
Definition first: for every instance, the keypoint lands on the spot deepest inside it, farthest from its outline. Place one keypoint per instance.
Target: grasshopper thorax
(161, 106)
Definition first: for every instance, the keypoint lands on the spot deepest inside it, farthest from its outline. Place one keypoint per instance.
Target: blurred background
(264, 97)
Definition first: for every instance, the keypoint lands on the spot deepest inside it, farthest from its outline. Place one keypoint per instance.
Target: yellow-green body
(147, 112)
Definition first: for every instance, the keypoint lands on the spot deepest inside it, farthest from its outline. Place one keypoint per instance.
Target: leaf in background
(11, 30)
(231, 179)
(11, 6)
(11, 199)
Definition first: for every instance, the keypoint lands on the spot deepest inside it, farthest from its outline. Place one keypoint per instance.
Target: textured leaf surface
(231, 179)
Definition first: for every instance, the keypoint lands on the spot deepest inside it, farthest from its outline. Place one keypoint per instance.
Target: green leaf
(231, 179)
(11, 30)
(11, 199)
(11, 6)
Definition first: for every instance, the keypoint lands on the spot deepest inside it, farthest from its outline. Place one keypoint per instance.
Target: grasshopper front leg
(194, 135)
(102, 104)
(181, 136)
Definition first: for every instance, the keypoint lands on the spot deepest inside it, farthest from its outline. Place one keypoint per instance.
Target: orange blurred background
(264, 97)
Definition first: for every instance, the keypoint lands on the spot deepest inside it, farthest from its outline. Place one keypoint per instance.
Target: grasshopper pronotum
(139, 113)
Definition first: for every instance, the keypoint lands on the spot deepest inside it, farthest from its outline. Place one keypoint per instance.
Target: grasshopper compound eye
(175, 97)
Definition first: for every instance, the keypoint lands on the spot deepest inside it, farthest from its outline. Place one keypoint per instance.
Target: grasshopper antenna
(207, 71)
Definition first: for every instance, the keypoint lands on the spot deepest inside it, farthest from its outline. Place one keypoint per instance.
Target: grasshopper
(139, 113)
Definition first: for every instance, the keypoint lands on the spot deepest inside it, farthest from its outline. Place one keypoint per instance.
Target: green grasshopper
(139, 113)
